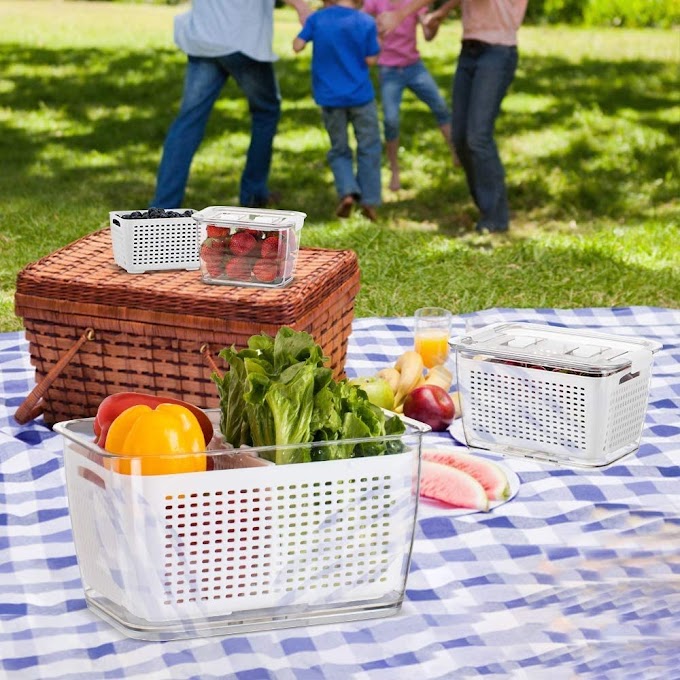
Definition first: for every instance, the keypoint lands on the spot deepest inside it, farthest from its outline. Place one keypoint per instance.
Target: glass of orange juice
(432, 334)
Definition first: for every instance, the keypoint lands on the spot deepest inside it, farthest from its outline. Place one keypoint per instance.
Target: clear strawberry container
(249, 247)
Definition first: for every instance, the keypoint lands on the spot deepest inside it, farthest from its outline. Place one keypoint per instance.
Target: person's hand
(430, 23)
(302, 8)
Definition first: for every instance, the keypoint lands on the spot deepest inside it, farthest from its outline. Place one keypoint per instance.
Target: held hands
(430, 23)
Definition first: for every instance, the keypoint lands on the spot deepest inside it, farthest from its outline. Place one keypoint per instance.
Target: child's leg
(391, 91)
(423, 85)
(340, 157)
(369, 152)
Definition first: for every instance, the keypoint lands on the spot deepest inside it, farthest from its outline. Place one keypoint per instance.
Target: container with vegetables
(300, 507)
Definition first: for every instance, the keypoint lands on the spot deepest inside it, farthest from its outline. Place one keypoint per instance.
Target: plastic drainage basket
(556, 394)
(147, 245)
(234, 550)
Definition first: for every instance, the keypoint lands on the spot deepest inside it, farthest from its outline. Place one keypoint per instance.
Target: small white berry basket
(561, 395)
(248, 246)
(243, 545)
(143, 242)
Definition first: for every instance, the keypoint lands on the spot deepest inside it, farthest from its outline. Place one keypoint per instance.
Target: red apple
(432, 405)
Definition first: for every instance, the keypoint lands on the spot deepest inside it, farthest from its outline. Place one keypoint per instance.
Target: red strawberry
(213, 231)
(213, 249)
(265, 270)
(242, 243)
(238, 269)
(214, 268)
(270, 248)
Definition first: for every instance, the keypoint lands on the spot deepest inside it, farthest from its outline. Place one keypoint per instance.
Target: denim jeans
(365, 184)
(483, 76)
(204, 79)
(394, 80)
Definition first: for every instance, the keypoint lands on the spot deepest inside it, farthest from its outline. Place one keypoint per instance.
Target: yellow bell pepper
(153, 438)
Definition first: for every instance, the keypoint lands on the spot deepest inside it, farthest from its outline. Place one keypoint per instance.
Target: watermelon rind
(485, 471)
(452, 486)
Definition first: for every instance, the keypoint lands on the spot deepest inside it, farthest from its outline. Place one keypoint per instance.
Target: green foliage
(588, 136)
(556, 11)
(630, 13)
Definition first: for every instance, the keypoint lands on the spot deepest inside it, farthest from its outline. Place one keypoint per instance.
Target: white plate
(513, 482)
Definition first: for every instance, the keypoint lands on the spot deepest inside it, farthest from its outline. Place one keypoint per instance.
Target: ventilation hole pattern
(277, 540)
(520, 407)
(627, 409)
(164, 243)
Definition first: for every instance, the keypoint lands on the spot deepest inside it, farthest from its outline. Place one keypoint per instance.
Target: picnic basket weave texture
(160, 332)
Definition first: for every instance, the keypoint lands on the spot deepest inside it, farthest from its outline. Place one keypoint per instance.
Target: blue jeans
(203, 83)
(483, 76)
(394, 80)
(365, 185)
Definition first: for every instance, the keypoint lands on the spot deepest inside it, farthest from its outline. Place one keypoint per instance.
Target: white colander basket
(178, 555)
(554, 394)
(146, 245)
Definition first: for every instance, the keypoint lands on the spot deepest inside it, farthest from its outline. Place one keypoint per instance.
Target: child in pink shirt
(401, 67)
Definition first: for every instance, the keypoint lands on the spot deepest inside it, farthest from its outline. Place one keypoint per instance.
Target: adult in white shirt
(222, 39)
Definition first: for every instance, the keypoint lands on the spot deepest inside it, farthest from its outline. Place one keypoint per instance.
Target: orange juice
(433, 346)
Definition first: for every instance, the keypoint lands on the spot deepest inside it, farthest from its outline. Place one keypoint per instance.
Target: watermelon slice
(486, 472)
(452, 486)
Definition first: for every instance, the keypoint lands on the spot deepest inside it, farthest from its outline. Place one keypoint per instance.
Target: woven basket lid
(85, 272)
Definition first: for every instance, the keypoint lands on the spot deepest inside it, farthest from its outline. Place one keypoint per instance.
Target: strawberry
(214, 268)
(238, 269)
(213, 249)
(242, 243)
(270, 248)
(265, 270)
(213, 231)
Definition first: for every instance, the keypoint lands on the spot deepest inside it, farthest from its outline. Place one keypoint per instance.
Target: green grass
(589, 136)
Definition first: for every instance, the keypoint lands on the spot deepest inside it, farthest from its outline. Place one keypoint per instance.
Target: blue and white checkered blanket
(577, 576)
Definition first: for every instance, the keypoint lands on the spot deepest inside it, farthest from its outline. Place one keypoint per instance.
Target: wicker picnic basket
(94, 330)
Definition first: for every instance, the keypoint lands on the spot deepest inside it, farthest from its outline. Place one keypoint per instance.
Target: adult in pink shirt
(486, 67)
(400, 68)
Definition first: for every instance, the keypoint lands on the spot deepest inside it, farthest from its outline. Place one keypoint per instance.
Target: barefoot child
(402, 68)
(345, 45)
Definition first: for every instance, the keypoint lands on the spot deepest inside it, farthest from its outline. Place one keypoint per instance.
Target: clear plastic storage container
(246, 545)
(562, 395)
(249, 247)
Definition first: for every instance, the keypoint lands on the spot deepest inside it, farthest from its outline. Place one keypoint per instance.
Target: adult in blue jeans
(486, 68)
(223, 39)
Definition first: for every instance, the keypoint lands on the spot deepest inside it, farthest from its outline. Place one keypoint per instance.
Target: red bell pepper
(113, 405)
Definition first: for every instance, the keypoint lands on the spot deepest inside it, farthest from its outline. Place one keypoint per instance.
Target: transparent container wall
(247, 247)
(247, 545)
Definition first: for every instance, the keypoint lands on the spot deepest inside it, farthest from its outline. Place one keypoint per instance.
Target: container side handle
(32, 407)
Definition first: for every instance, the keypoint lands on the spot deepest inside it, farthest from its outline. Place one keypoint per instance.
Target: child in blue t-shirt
(345, 45)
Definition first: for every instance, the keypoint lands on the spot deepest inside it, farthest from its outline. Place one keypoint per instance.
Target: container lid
(580, 350)
(228, 216)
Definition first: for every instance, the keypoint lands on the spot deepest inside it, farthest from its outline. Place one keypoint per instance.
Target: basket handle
(32, 407)
(205, 351)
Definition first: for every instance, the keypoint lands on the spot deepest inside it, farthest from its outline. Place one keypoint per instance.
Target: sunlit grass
(588, 135)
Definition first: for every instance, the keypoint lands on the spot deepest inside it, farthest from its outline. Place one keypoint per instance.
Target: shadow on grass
(121, 104)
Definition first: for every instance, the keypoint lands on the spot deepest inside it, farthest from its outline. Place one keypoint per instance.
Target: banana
(410, 366)
(439, 375)
(455, 397)
(392, 376)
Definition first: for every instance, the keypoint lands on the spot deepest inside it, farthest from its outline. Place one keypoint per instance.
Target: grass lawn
(589, 137)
